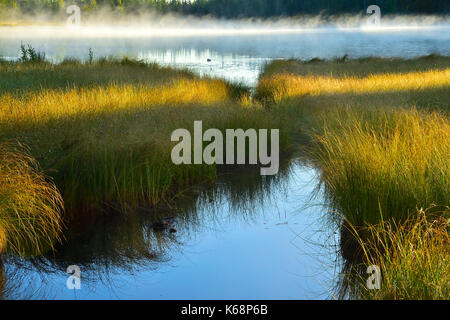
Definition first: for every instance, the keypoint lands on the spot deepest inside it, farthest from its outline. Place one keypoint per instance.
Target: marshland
(86, 116)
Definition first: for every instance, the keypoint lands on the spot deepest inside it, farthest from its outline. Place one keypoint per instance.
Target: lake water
(236, 56)
(246, 237)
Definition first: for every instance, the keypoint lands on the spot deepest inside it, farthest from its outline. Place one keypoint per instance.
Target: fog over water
(235, 50)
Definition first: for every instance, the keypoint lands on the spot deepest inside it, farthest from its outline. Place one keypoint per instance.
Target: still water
(245, 237)
(238, 56)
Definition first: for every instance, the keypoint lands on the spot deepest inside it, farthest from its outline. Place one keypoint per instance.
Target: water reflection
(245, 236)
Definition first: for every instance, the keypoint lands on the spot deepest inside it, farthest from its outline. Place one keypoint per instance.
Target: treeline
(242, 8)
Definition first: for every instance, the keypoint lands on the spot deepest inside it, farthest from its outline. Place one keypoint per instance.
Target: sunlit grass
(23, 77)
(282, 86)
(50, 104)
(106, 139)
(30, 206)
(412, 256)
(3, 240)
(379, 133)
(374, 144)
(396, 161)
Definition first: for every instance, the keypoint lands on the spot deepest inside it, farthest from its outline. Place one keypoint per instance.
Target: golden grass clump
(413, 257)
(394, 161)
(30, 206)
(374, 149)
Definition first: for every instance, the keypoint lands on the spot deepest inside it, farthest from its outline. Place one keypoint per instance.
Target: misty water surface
(237, 56)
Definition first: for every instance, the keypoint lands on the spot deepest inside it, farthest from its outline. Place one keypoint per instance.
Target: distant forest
(242, 8)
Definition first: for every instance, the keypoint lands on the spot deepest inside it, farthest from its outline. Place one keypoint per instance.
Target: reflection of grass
(114, 244)
(380, 157)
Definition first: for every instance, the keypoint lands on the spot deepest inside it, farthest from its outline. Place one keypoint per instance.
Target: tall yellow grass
(2, 240)
(30, 205)
(375, 150)
(396, 161)
(412, 256)
(282, 86)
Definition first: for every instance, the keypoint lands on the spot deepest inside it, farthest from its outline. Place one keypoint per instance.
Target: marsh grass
(18, 78)
(376, 148)
(412, 257)
(282, 86)
(102, 129)
(396, 162)
(379, 132)
(31, 207)
(3, 240)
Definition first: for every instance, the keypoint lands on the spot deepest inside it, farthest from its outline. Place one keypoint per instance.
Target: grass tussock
(29, 54)
(318, 86)
(412, 256)
(394, 163)
(30, 205)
